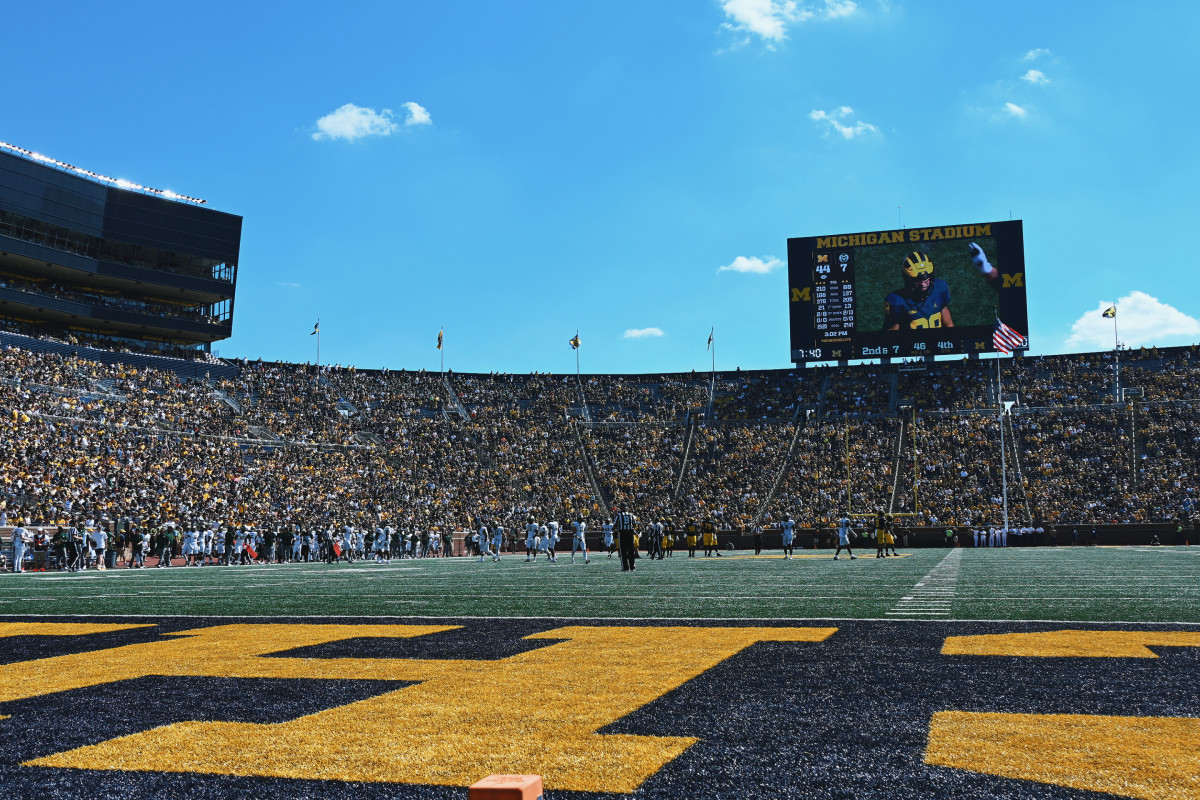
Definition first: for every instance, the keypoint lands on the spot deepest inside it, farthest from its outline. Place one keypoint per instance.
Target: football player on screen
(924, 301)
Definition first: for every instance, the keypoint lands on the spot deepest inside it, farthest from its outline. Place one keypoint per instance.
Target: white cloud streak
(351, 122)
(769, 19)
(643, 333)
(1142, 321)
(1014, 110)
(838, 119)
(753, 264)
(1036, 77)
(1035, 54)
(417, 115)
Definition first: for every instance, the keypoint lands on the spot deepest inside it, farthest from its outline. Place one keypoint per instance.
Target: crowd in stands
(75, 338)
(292, 445)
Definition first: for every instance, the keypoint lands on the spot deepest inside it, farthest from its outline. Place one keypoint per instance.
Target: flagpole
(1003, 455)
(442, 349)
(578, 380)
(318, 347)
(712, 386)
(1116, 361)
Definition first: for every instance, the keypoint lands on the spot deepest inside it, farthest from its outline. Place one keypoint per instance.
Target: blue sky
(514, 172)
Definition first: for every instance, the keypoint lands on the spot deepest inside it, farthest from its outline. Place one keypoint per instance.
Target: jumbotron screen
(907, 292)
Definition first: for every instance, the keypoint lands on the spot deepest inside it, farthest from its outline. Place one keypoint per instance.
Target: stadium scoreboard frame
(846, 291)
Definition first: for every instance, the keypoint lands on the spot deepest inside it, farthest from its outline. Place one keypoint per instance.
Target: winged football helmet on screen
(918, 273)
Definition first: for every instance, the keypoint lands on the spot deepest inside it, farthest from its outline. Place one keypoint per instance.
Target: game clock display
(908, 292)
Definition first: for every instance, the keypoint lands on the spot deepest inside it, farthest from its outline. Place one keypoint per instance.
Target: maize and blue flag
(316, 329)
(574, 342)
(1110, 312)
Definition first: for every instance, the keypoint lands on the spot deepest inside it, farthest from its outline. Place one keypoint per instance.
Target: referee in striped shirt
(623, 524)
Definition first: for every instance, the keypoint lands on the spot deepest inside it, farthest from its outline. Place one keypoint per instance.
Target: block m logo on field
(403, 736)
(1131, 756)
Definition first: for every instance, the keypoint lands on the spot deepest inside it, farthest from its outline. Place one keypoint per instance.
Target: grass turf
(1132, 584)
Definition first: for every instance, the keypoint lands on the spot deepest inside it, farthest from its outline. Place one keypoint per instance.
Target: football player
(788, 534)
(552, 541)
(497, 541)
(844, 533)
(579, 542)
(531, 540)
(923, 302)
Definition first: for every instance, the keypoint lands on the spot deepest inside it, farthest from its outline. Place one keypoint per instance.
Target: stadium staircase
(227, 400)
(264, 434)
(1135, 446)
(455, 403)
(589, 470)
(583, 404)
(687, 450)
(369, 438)
(897, 455)
(821, 396)
(1013, 445)
(799, 423)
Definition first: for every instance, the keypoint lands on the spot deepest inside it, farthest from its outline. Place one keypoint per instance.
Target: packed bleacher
(274, 446)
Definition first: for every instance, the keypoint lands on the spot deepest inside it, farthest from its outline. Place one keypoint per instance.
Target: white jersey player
(497, 542)
(788, 534)
(531, 541)
(580, 541)
(607, 530)
(844, 533)
(189, 545)
(552, 541)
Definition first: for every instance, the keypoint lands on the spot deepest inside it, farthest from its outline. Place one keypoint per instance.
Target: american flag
(1006, 339)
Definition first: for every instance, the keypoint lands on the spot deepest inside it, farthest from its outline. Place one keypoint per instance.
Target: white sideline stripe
(764, 621)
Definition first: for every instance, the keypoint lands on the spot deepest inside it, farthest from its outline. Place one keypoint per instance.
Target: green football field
(1085, 584)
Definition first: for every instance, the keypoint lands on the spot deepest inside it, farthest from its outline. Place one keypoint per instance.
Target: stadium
(370, 613)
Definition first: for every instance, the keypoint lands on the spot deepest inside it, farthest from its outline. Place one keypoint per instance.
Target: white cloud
(769, 19)
(417, 115)
(1036, 77)
(288, 285)
(642, 333)
(1035, 54)
(1014, 110)
(839, 8)
(352, 122)
(753, 264)
(1142, 321)
(838, 118)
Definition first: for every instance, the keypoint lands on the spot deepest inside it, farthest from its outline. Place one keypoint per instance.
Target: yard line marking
(932, 595)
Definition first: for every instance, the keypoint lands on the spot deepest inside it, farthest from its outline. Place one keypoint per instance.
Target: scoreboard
(907, 292)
